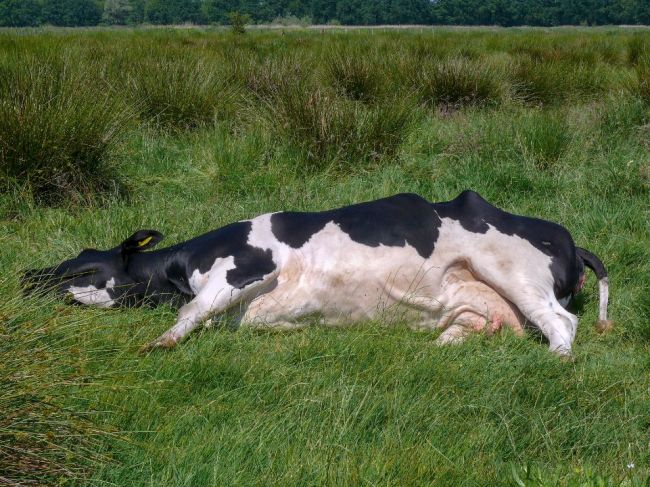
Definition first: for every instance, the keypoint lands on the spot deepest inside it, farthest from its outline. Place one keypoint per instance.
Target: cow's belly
(387, 283)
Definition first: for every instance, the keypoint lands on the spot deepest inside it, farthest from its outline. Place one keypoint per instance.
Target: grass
(237, 126)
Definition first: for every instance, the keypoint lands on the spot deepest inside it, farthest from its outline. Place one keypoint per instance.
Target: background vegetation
(16, 13)
(106, 132)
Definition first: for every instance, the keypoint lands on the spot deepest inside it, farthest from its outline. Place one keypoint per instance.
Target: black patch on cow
(476, 215)
(296, 228)
(252, 263)
(252, 266)
(395, 221)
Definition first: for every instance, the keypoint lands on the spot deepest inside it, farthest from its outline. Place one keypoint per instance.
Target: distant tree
(323, 11)
(136, 16)
(405, 12)
(158, 12)
(216, 11)
(172, 11)
(71, 12)
(117, 11)
(19, 13)
(364, 12)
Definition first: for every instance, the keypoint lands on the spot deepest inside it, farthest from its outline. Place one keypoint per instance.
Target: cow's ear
(141, 240)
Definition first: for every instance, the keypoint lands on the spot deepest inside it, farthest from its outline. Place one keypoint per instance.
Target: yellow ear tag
(144, 242)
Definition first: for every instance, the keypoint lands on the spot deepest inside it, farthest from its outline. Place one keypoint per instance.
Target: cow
(461, 266)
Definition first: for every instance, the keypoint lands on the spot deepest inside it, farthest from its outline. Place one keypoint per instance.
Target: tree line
(21, 13)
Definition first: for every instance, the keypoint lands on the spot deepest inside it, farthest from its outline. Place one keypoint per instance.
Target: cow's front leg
(190, 316)
(214, 298)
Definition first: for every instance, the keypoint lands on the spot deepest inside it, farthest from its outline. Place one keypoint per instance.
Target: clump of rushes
(180, 93)
(355, 75)
(621, 117)
(332, 130)
(537, 83)
(551, 82)
(638, 50)
(458, 82)
(58, 128)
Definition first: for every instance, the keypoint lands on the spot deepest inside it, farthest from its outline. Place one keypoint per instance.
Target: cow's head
(94, 277)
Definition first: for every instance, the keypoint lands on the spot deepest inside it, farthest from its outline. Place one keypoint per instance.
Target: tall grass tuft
(553, 81)
(536, 83)
(333, 130)
(57, 128)
(180, 93)
(638, 50)
(643, 77)
(355, 76)
(458, 81)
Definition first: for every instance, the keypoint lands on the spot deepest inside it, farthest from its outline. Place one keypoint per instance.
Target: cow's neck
(150, 266)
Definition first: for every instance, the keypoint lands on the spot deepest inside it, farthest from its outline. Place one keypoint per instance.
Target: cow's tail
(594, 263)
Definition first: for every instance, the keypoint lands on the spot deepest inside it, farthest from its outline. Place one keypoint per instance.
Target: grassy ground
(104, 132)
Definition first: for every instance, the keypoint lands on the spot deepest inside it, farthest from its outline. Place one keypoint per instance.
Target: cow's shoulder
(393, 221)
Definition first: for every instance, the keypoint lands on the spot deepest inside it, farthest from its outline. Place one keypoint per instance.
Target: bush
(57, 129)
(238, 22)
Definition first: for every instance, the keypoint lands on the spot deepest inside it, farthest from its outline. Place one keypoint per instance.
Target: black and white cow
(460, 265)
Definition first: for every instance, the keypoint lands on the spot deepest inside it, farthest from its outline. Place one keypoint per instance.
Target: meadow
(103, 132)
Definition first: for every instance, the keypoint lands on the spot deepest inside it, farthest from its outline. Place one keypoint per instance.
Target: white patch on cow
(91, 295)
(261, 234)
(603, 292)
(215, 277)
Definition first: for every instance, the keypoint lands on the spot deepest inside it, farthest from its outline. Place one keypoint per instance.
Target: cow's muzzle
(40, 281)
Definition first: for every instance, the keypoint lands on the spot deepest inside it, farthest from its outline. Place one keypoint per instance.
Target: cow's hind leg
(541, 308)
(216, 295)
(558, 325)
(454, 334)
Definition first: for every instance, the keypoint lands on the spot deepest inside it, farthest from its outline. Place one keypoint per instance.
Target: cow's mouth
(44, 281)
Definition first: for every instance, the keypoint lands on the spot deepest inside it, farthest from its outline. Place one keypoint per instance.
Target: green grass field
(105, 132)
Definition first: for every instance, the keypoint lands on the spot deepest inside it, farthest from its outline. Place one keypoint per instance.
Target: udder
(473, 304)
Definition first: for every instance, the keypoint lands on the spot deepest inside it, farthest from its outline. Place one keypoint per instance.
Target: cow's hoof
(603, 326)
(164, 341)
(563, 354)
